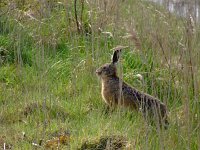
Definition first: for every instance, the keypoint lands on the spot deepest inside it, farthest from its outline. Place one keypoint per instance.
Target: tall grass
(49, 51)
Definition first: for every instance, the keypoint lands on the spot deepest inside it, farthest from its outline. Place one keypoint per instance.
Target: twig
(161, 46)
(190, 32)
(82, 9)
(76, 16)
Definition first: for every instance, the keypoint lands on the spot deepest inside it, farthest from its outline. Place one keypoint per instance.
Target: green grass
(48, 82)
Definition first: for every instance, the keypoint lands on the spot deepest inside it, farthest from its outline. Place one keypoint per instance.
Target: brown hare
(116, 92)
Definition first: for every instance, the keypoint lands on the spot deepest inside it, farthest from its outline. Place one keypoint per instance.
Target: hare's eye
(104, 68)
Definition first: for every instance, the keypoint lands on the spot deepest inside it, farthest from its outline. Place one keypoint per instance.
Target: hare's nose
(98, 71)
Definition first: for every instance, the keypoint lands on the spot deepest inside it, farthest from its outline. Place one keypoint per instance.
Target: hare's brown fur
(115, 92)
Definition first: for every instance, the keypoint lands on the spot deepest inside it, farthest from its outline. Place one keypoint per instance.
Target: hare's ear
(117, 52)
(116, 55)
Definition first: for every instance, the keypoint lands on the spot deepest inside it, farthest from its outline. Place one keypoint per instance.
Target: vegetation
(49, 51)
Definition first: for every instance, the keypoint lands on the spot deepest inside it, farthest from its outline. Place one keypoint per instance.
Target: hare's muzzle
(98, 72)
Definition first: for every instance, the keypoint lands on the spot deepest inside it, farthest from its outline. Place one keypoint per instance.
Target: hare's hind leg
(160, 115)
(154, 113)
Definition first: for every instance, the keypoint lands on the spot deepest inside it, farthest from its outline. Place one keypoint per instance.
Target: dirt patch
(105, 142)
(30, 108)
(58, 140)
(4, 144)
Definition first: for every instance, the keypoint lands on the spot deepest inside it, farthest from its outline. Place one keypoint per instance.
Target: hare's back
(138, 97)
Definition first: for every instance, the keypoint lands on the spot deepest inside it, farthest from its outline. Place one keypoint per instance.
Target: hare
(115, 92)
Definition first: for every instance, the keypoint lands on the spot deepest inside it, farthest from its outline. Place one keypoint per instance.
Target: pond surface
(182, 7)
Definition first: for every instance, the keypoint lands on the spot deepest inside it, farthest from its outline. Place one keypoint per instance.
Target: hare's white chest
(103, 91)
(107, 94)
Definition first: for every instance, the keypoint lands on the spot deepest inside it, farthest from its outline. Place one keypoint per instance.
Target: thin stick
(76, 16)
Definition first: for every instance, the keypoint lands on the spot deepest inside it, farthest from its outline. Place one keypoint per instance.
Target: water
(182, 7)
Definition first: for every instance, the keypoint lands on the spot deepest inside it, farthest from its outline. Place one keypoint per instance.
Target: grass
(48, 82)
